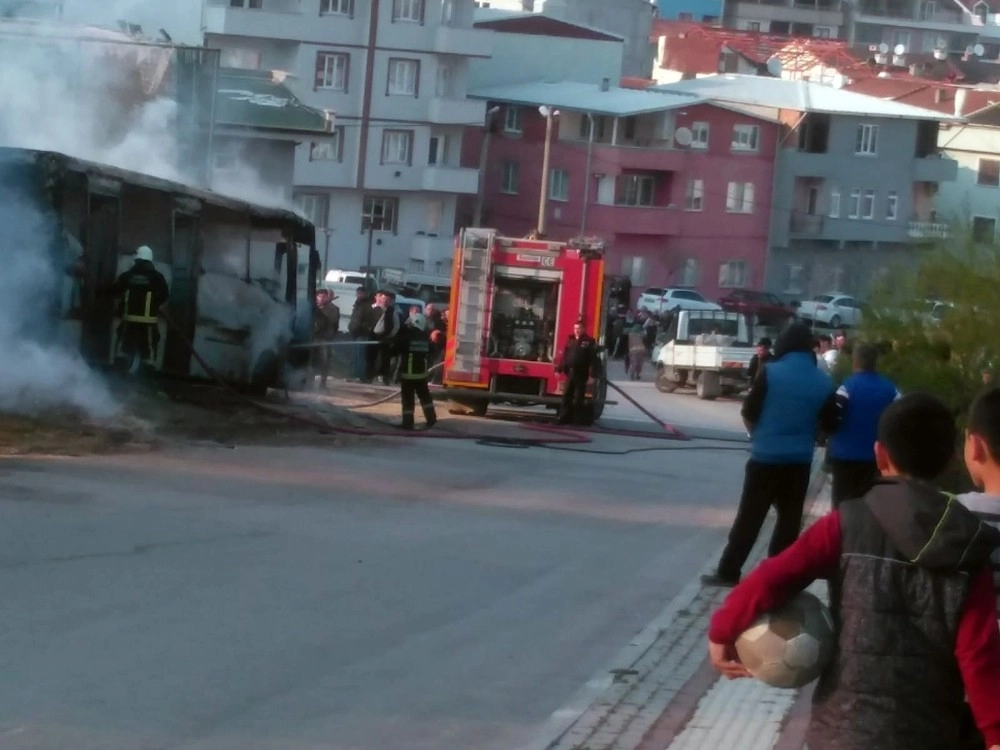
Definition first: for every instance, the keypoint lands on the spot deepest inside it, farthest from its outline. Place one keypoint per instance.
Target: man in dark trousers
(141, 292)
(414, 347)
(789, 397)
(359, 328)
(578, 363)
(850, 452)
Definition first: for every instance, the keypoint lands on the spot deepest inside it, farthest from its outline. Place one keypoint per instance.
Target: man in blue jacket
(791, 399)
(851, 451)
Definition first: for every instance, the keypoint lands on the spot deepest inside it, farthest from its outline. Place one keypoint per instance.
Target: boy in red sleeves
(916, 622)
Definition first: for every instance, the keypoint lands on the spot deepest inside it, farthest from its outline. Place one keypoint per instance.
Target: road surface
(415, 594)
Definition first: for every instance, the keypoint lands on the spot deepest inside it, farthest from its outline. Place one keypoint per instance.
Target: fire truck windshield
(522, 325)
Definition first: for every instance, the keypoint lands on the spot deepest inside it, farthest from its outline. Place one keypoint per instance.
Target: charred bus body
(241, 276)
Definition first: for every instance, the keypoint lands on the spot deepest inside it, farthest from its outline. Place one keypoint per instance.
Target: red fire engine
(513, 306)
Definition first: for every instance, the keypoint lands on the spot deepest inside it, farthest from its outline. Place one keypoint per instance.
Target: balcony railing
(928, 230)
(808, 224)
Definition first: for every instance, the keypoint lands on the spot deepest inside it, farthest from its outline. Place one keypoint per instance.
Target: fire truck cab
(513, 306)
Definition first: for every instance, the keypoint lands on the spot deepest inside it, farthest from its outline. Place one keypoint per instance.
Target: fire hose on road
(556, 438)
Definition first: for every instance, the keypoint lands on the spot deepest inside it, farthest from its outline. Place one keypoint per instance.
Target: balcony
(656, 157)
(443, 111)
(454, 40)
(431, 250)
(781, 11)
(928, 230)
(603, 218)
(935, 169)
(290, 20)
(441, 179)
(939, 20)
(806, 225)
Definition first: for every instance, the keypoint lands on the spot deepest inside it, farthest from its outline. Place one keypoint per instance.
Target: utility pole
(368, 256)
(484, 152)
(543, 199)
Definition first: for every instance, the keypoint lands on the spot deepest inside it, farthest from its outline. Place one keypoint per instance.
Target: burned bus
(241, 276)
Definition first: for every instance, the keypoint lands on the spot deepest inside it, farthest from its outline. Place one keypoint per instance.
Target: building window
(685, 16)
(854, 205)
(745, 137)
(379, 214)
(753, 26)
(252, 4)
(447, 11)
(989, 173)
(699, 134)
(599, 124)
(438, 151)
(397, 146)
(332, 71)
(892, 206)
(867, 142)
(694, 198)
(739, 198)
(688, 272)
(443, 84)
(635, 268)
(983, 229)
(336, 7)
(835, 203)
(435, 215)
(733, 274)
(636, 190)
(403, 78)
(821, 32)
(508, 183)
(559, 185)
(512, 120)
(314, 207)
(796, 279)
(244, 59)
(410, 11)
(900, 37)
(868, 205)
(329, 150)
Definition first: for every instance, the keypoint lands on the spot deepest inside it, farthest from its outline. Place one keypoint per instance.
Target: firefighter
(578, 363)
(414, 348)
(141, 291)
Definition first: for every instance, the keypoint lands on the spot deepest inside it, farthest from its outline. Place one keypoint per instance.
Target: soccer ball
(790, 646)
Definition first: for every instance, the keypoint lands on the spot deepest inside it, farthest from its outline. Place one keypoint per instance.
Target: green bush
(947, 357)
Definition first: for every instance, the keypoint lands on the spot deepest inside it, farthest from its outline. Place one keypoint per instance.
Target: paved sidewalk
(664, 695)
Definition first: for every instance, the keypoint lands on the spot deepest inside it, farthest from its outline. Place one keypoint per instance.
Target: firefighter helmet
(144, 253)
(418, 321)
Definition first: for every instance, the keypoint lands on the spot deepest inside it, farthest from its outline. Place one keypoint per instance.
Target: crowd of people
(913, 571)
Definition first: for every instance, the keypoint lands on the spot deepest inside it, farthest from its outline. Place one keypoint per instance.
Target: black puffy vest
(895, 684)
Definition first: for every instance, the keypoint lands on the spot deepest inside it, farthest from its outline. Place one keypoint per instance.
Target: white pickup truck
(706, 349)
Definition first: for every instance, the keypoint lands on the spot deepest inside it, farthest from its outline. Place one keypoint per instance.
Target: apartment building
(384, 184)
(855, 180)
(703, 11)
(678, 186)
(915, 27)
(826, 19)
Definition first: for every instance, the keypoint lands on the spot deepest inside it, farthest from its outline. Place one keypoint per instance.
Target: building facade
(384, 185)
(802, 18)
(703, 11)
(683, 210)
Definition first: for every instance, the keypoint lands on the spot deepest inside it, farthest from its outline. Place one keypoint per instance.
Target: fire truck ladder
(473, 301)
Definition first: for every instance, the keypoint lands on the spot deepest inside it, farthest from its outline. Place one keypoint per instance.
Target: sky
(181, 18)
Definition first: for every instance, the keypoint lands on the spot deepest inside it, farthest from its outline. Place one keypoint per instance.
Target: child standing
(915, 612)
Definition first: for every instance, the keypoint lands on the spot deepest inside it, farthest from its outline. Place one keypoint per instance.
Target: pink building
(679, 186)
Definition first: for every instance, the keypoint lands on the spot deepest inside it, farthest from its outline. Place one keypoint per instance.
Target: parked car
(660, 299)
(765, 308)
(833, 309)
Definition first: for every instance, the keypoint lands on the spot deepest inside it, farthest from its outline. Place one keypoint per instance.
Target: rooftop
(935, 95)
(258, 99)
(537, 24)
(587, 97)
(800, 96)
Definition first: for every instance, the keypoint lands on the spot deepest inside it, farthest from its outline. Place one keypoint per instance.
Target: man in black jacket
(578, 363)
(762, 355)
(359, 327)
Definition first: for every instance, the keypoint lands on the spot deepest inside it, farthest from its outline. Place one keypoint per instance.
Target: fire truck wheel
(664, 380)
(596, 406)
(708, 386)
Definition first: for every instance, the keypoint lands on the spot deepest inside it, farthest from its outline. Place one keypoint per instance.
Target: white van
(355, 278)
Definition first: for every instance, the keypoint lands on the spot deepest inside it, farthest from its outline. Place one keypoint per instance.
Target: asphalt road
(421, 594)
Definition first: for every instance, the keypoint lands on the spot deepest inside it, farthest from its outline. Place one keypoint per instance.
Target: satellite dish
(978, 50)
(683, 137)
(544, 111)
(883, 48)
(940, 54)
(899, 49)
(883, 74)
(774, 66)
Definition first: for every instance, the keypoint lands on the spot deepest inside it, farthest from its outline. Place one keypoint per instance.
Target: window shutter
(748, 196)
(320, 69)
(731, 196)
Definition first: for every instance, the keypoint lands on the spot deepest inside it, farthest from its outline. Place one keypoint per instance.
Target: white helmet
(144, 253)
(418, 321)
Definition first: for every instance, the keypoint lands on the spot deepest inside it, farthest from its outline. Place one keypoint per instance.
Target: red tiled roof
(924, 93)
(537, 24)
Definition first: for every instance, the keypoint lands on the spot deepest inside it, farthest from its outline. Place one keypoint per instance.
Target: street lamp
(543, 200)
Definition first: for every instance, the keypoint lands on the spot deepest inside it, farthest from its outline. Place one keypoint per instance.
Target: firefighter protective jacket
(579, 356)
(142, 291)
(414, 349)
